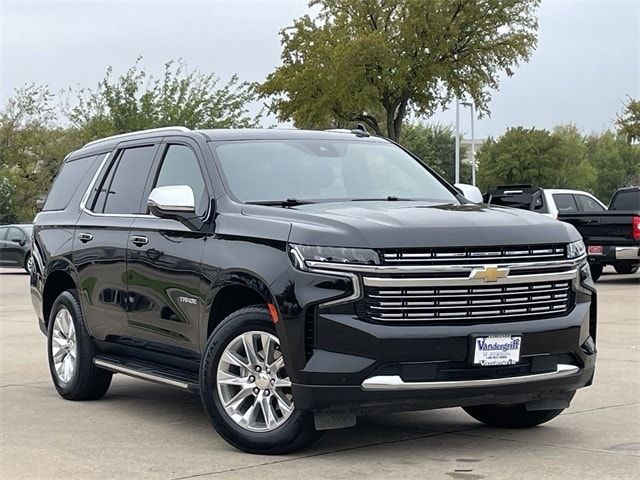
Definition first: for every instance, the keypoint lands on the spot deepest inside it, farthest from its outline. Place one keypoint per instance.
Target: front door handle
(139, 240)
(85, 237)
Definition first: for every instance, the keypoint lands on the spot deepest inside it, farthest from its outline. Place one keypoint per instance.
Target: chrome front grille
(473, 256)
(467, 304)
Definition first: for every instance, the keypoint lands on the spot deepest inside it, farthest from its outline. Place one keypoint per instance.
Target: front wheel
(246, 390)
(511, 416)
(626, 268)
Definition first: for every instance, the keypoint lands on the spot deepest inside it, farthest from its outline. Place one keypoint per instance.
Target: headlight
(576, 249)
(301, 254)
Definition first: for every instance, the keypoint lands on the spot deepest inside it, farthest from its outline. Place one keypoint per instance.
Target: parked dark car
(15, 245)
(298, 279)
(612, 237)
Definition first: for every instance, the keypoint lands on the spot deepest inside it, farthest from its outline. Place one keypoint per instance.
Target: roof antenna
(360, 130)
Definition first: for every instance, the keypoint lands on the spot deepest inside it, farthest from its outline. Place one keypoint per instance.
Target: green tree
(547, 159)
(375, 61)
(32, 145)
(435, 146)
(137, 101)
(629, 122)
(615, 162)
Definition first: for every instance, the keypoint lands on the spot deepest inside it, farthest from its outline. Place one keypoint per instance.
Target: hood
(399, 224)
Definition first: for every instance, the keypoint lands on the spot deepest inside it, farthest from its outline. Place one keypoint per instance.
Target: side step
(151, 372)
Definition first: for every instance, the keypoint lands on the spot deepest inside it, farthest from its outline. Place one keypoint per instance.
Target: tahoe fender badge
(190, 300)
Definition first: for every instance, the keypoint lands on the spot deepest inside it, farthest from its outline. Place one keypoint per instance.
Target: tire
(28, 260)
(626, 268)
(596, 271)
(511, 416)
(82, 380)
(297, 429)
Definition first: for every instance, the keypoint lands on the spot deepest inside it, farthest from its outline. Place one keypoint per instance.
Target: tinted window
(325, 170)
(3, 233)
(16, 234)
(588, 204)
(66, 183)
(565, 202)
(124, 193)
(180, 167)
(629, 200)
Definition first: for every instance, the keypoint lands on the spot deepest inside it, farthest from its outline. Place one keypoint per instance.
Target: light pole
(456, 167)
(473, 149)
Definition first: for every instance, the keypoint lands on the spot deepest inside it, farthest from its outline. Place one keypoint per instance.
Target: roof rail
(130, 134)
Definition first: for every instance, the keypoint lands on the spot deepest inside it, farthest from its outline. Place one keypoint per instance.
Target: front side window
(588, 204)
(122, 189)
(565, 202)
(324, 170)
(180, 167)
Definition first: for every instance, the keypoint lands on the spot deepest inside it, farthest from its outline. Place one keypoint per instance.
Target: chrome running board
(144, 371)
(395, 382)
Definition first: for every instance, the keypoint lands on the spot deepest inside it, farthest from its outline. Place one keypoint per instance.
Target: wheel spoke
(283, 383)
(233, 359)
(277, 364)
(267, 412)
(229, 379)
(284, 405)
(58, 354)
(249, 349)
(234, 402)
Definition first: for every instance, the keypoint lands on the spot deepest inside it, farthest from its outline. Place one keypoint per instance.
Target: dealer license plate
(493, 350)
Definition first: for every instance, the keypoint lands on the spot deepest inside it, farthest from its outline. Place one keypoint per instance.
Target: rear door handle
(85, 237)
(139, 240)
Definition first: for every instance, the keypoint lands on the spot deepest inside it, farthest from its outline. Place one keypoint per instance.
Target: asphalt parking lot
(146, 431)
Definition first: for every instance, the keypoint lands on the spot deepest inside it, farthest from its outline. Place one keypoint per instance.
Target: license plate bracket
(493, 350)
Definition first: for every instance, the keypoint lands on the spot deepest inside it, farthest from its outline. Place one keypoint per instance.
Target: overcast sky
(587, 60)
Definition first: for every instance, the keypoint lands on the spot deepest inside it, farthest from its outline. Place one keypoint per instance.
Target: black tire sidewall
(297, 432)
(84, 352)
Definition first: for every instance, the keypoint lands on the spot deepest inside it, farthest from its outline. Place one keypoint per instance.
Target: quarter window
(122, 189)
(180, 167)
(66, 183)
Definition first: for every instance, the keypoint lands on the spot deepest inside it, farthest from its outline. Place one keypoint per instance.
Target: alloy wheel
(64, 348)
(252, 383)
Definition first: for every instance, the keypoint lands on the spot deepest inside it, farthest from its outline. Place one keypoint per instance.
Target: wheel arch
(60, 277)
(232, 291)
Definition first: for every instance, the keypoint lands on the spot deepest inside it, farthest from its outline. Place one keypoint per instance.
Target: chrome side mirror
(171, 201)
(471, 193)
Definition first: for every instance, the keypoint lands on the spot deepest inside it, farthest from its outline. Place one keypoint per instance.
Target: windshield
(318, 170)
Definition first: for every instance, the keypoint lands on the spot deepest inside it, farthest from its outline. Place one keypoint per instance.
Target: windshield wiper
(289, 202)
(390, 198)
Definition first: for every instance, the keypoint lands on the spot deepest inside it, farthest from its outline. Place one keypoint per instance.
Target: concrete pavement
(146, 431)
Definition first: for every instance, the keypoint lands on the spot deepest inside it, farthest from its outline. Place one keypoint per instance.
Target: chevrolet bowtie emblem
(489, 273)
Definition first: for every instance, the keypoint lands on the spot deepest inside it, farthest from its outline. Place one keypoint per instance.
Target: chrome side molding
(395, 382)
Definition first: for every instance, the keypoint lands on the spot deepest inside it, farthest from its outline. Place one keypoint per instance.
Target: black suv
(298, 279)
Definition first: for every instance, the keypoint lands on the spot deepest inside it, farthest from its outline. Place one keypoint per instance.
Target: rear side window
(122, 189)
(588, 204)
(629, 200)
(66, 183)
(3, 233)
(180, 167)
(565, 202)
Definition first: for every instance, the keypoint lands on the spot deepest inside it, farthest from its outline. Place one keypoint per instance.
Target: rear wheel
(28, 263)
(71, 352)
(596, 271)
(510, 416)
(245, 388)
(626, 268)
